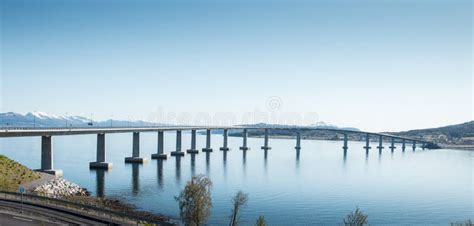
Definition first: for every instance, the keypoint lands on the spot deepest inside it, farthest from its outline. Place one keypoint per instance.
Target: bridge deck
(58, 131)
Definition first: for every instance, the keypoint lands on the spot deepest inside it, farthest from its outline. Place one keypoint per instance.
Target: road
(18, 219)
(36, 215)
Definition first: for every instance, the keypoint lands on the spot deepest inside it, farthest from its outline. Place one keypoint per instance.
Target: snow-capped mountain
(41, 119)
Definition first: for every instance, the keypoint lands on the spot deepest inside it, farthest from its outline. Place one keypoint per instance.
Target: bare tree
(261, 221)
(356, 218)
(239, 200)
(195, 201)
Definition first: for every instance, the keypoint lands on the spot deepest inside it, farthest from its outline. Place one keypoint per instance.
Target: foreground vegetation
(195, 205)
(13, 174)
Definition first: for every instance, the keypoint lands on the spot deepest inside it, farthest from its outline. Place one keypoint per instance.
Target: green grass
(12, 174)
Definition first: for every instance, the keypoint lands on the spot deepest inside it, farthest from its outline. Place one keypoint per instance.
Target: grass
(12, 174)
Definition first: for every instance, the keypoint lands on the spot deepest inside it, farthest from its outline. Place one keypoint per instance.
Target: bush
(239, 200)
(356, 218)
(195, 201)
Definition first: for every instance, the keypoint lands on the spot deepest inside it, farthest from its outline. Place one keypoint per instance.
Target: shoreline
(46, 185)
(443, 146)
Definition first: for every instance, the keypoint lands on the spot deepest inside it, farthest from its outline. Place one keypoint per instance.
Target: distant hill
(41, 119)
(306, 134)
(453, 136)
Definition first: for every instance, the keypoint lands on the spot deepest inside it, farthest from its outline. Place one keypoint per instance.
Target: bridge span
(46, 134)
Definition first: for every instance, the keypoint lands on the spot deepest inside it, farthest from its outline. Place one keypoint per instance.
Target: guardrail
(82, 209)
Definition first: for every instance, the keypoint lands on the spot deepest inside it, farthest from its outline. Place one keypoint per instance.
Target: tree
(195, 201)
(356, 218)
(239, 200)
(261, 221)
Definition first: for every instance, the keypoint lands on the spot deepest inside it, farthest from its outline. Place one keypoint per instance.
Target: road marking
(24, 219)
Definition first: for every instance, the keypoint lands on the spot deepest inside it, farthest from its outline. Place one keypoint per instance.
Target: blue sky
(375, 65)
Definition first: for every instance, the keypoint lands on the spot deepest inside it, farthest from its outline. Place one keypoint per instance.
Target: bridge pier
(225, 148)
(244, 138)
(178, 151)
(392, 145)
(298, 141)
(403, 145)
(345, 147)
(414, 145)
(160, 147)
(265, 144)
(136, 150)
(193, 149)
(208, 142)
(47, 157)
(367, 143)
(380, 147)
(423, 145)
(100, 162)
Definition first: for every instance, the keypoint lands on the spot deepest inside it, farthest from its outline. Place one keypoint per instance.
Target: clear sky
(376, 65)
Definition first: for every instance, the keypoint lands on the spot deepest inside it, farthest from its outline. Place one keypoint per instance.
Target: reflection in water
(160, 173)
(265, 161)
(178, 169)
(100, 182)
(297, 161)
(244, 162)
(135, 178)
(344, 157)
(380, 155)
(208, 159)
(193, 164)
(224, 162)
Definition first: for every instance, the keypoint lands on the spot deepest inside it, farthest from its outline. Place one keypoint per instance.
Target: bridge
(46, 135)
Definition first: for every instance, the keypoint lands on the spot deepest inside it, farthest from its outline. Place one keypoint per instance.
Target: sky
(376, 65)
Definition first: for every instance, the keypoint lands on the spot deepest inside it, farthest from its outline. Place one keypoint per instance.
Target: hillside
(453, 136)
(13, 174)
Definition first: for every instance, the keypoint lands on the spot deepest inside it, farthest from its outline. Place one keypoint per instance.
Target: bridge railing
(61, 205)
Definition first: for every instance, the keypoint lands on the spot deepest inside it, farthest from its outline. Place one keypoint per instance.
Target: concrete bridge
(46, 135)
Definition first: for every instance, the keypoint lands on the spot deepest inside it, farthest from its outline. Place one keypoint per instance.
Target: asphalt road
(8, 219)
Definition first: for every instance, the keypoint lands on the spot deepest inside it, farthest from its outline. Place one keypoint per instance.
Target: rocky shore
(60, 188)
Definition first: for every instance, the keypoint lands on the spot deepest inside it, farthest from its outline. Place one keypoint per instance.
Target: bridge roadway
(58, 131)
(46, 135)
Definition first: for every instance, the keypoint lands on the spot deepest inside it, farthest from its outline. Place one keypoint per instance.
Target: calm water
(319, 186)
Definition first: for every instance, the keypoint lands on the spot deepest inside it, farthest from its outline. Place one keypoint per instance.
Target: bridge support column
(380, 147)
(392, 145)
(403, 145)
(345, 147)
(244, 138)
(136, 150)
(100, 162)
(298, 141)
(160, 147)
(47, 157)
(367, 143)
(193, 149)
(414, 145)
(225, 148)
(423, 145)
(265, 143)
(178, 151)
(208, 142)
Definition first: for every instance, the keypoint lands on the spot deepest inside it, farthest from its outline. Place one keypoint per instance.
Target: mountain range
(41, 119)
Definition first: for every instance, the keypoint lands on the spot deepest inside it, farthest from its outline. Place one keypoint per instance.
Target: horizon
(318, 123)
(349, 64)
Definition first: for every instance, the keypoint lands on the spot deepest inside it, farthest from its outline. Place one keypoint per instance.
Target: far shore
(443, 146)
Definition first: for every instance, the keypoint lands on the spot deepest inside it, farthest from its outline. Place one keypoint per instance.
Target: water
(320, 186)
